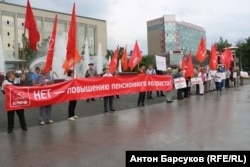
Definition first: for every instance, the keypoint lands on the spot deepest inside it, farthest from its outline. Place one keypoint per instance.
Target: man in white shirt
(108, 98)
(150, 71)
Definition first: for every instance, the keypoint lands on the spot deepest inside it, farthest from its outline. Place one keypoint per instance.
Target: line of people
(209, 82)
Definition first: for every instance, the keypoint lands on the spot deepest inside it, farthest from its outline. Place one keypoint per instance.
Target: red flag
(190, 67)
(213, 58)
(72, 56)
(50, 53)
(183, 63)
(113, 62)
(30, 24)
(135, 57)
(228, 58)
(124, 60)
(201, 53)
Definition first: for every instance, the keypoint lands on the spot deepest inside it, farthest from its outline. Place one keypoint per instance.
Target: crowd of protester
(216, 80)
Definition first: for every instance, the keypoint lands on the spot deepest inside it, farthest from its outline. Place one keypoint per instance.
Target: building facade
(165, 34)
(12, 19)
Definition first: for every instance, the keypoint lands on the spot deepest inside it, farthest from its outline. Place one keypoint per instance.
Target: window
(22, 24)
(8, 22)
(8, 45)
(8, 33)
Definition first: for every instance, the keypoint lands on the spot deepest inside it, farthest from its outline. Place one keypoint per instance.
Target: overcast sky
(126, 19)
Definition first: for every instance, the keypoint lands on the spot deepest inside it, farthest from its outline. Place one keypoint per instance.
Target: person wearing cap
(10, 80)
(90, 73)
(108, 99)
(169, 94)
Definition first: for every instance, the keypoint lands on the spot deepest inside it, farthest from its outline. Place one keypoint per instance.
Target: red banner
(19, 97)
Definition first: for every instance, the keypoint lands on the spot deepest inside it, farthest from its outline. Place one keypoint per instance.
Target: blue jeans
(218, 86)
(45, 113)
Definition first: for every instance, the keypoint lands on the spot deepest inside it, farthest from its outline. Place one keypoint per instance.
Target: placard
(196, 81)
(180, 83)
(161, 64)
(244, 74)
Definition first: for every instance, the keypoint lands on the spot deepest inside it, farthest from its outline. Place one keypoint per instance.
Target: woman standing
(141, 98)
(45, 111)
(201, 85)
(218, 80)
(108, 99)
(72, 103)
(10, 80)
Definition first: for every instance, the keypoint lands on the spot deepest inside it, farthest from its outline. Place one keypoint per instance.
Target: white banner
(196, 80)
(161, 64)
(244, 74)
(180, 83)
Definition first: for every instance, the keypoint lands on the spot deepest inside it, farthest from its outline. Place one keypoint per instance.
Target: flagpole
(24, 43)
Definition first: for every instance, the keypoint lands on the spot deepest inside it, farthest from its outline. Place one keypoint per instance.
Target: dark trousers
(11, 116)
(218, 86)
(179, 93)
(149, 94)
(227, 83)
(197, 89)
(110, 100)
(71, 109)
(159, 93)
(141, 98)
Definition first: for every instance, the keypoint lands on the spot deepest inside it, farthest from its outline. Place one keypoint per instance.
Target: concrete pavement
(210, 122)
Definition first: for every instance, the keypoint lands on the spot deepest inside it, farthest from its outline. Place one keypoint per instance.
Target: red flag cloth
(113, 62)
(213, 63)
(228, 58)
(201, 53)
(51, 48)
(183, 63)
(30, 24)
(124, 60)
(190, 67)
(135, 57)
(72, 56)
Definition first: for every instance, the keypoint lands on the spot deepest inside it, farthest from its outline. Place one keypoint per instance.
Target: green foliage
(221, 44)
(243, 52)
(29, 54)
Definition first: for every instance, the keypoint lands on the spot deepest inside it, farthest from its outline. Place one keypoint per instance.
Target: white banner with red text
(20, 97)
(180, 83)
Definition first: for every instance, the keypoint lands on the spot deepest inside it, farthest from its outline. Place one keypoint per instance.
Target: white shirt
(218, 77)
(107, 75)
(150, 71)
(6, 82)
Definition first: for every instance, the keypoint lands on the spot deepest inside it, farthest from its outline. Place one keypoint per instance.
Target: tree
(222, 44)
(29, 54)
(243, 53)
